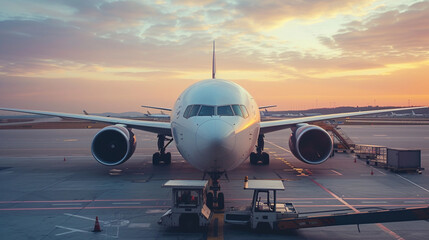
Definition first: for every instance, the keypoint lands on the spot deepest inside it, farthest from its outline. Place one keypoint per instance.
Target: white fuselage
(214, 140)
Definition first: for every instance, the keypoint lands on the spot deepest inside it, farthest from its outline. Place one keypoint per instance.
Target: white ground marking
(82, 217)
(415, 184)
(375, 202)
(71, 230)
(139, 225)
(70, 140)
(66, 204)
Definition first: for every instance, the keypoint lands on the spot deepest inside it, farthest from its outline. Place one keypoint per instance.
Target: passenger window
(244, 110)
(195, 110)
(206, 111)
(187, 111)
(237, 110)
(225, 111)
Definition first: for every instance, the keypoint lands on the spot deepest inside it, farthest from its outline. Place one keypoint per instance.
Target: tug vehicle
(265, 213)
(189, 210)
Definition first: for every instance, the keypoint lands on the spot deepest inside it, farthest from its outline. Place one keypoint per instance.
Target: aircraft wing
(149, 126)
(271, 126)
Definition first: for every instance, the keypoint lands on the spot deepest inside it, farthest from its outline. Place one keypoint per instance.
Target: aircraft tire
(265, 158)
(209, 201)
(253, 158)
(220, 201)
(167, 158)
(155, 158)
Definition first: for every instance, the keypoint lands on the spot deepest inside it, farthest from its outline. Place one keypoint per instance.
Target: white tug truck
(189, 210)
(265, 211)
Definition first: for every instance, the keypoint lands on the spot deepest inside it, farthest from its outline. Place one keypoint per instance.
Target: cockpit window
(237, 110)
(225, 111)
(187, 111)
(195, 110)
(244, 110)
(207, 111)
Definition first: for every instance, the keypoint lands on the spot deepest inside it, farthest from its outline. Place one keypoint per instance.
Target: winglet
(214, 62)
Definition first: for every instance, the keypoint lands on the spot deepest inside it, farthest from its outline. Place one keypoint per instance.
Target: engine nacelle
(311, 144)
(113, 145)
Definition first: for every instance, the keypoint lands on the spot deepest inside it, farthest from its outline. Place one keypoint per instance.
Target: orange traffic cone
(64, 159)
(97, 225)
(355, 160)
(372, 172)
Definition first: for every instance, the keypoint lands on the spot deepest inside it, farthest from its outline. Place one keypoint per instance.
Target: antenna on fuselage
(214, 62)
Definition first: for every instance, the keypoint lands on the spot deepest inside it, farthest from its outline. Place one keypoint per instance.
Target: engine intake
(113, 145)
(311, 144)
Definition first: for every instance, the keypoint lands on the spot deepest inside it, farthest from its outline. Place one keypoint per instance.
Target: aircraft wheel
(253, 158)
(209, 201)
(167, 158)
(220, 201)
(155, 158)
(265, 158)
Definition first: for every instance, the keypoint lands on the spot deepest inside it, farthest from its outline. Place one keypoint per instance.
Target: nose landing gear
(260, 156)
(215, 198)
(162, 156)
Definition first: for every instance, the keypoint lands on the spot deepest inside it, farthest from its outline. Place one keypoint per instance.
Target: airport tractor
(265, 213)
(189, 210)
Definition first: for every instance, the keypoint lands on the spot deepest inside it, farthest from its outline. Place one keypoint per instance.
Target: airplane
(216, 126)
(392, 114)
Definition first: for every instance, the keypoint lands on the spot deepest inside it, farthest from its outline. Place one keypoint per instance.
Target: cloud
(272, 13)
(393, 36)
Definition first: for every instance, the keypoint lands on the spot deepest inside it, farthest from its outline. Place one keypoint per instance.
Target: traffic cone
(97, 225)
(355, 160)
(64, 159)
(372, 172)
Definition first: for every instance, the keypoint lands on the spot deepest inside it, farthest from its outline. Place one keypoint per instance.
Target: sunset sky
(106, 55)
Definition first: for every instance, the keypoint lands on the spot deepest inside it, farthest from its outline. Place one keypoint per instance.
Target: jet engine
(310, 144)
(113, 145)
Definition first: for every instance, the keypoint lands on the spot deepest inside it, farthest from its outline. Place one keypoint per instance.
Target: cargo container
(404, 160)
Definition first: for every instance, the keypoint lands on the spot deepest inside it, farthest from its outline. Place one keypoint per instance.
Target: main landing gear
(215, 198)
(260, 156)
(162, 156)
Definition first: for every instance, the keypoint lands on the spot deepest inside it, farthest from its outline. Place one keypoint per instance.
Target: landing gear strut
(162, 156)
(260, 155)
(215, 198)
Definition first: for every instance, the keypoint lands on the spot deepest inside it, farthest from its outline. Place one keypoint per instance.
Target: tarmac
(52, 188)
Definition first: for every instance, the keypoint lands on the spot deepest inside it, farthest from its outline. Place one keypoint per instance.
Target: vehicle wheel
(265, 158)
(155, 158)
(209, 201)
(253, 158)
(220, 201)
(167, 158)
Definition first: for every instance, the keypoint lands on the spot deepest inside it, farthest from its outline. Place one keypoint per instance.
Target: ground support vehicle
(265, 213)
(189, 210)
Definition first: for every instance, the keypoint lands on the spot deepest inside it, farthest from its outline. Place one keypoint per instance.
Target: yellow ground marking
(215, 231)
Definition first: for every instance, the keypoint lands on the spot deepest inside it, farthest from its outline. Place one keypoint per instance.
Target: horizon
(113, 56)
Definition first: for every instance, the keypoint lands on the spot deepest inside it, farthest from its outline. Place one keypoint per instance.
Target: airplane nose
(216, 138)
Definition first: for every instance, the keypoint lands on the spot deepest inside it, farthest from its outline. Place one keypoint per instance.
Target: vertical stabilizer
(214, 62)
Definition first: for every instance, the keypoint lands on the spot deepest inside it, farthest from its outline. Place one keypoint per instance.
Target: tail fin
(214, 62)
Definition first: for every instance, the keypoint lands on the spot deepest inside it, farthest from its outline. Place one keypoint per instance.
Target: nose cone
(215, 139)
